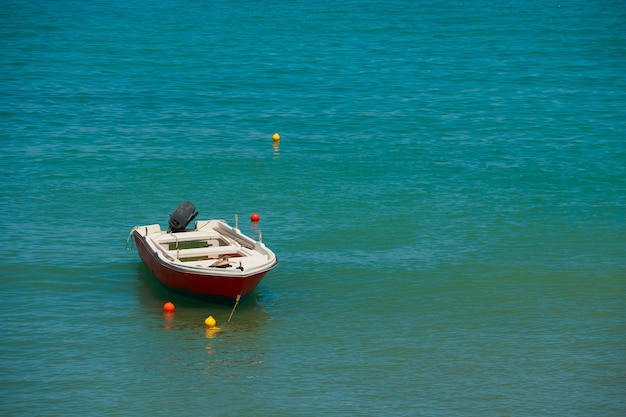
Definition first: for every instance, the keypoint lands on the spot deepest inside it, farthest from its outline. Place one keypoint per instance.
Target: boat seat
(211, 251)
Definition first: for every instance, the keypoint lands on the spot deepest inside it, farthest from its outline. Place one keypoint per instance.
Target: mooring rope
(129, 241)
(234, 307)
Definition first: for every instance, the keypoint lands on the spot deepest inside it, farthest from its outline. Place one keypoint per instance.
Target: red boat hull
(211, 287)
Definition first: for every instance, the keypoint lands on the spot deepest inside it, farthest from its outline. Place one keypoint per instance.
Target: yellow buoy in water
(211, 328)
(276, 136)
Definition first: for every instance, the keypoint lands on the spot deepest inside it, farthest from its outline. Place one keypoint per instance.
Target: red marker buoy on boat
(255, 217)
(168, 307)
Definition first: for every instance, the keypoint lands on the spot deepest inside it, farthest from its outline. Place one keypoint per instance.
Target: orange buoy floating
(168, 307)
(275, 136)
(255, 217)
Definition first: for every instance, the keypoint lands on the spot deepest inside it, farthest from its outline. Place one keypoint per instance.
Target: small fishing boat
(213, 261)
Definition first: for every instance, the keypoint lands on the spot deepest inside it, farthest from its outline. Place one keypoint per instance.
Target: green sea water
(447, 203)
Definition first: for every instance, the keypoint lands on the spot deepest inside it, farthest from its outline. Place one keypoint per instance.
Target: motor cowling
(182, 216)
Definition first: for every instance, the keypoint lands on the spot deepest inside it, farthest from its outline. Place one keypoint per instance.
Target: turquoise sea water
(447, 203)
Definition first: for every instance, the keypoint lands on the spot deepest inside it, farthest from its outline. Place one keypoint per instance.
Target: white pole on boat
(236, 221)
(234, 307)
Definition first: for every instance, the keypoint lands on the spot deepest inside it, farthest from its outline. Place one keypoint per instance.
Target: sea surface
(447, 202)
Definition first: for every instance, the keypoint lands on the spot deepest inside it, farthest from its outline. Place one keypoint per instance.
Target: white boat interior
(211, 244)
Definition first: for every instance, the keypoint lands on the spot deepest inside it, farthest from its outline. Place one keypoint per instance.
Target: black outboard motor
(182, 216)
